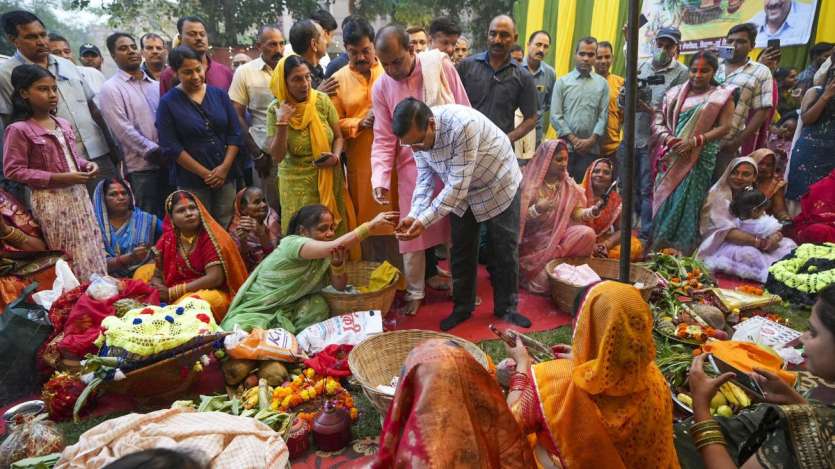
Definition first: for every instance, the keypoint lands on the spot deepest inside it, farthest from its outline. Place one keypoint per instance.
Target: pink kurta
(387, 154)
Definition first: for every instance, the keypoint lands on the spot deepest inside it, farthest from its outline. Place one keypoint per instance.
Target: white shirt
(251, 88)
(795, 29)
(475, 161)
(94, 79)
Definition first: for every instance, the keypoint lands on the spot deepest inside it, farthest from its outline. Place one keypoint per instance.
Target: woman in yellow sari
(307, 142)
(606, 405)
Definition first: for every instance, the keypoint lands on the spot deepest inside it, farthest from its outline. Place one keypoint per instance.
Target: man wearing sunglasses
(250, 92)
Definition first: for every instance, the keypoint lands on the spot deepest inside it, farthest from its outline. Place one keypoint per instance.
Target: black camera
(644, 90)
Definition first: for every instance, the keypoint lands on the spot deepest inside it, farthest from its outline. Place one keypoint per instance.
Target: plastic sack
(30, 436)
(348, 329)
(261, 344)
(64, 281)
(102, 288)
(577, 275)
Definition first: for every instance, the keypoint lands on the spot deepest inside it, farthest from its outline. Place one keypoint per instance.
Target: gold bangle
(363, 231)
(11, 232)
(704, 425)
(710, 440)
(18, 237)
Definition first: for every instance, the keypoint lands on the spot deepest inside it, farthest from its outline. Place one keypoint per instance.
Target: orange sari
(449, 412)
(608, 407)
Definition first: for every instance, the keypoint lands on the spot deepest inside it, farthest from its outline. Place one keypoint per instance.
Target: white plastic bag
(102, 288)
(64, 281)
(577, 275)
(348, 329)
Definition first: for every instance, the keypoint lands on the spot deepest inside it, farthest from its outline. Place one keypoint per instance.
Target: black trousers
(503, 264)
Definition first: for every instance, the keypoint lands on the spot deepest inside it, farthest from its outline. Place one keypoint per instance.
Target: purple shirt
(31, 154)
(129, 107)
(217, 75)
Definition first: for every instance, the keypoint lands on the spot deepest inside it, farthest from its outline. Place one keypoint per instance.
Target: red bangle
(519, 381)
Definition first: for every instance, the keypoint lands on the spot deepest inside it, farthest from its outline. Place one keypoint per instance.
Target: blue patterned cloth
(141, 230)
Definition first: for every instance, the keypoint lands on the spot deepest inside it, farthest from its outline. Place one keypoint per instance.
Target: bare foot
(439, 282)
(411, 307)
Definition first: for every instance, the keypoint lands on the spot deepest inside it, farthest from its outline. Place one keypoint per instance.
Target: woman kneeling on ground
(598, 185)
(553, 213)
(194, 257)
(787, 430)
(603, 405)
(283, 291)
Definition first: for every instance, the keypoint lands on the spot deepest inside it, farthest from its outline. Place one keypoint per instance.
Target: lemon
(718, 401)
(724, 411)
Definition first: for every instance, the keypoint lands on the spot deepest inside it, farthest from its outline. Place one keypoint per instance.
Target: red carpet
(437, 305)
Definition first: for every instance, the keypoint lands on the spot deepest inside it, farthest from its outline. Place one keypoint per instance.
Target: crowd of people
(253, 188)
(406, 120)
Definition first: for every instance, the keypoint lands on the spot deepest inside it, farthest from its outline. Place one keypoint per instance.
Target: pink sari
(552, 234)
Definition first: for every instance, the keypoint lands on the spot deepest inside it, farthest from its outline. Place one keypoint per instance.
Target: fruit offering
(728, 401)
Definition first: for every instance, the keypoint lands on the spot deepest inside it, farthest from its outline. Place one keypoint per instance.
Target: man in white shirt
(250, 92)
(787, 20)
(475, 161)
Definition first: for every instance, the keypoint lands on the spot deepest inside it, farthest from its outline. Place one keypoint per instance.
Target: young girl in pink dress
(751, 262)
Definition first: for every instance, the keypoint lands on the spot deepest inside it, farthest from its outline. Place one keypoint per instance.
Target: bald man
(430, 77)
(497, 86)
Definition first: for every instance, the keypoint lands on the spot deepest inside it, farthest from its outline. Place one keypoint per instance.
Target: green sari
(677, 220)
(283, 291)
(297, 175)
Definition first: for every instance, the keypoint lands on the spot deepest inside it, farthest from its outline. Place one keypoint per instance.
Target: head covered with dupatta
(233, 266)
(307, 116)
(138, 231)
(611, 212)
(716, 219)
(449, 412)
(609, 406)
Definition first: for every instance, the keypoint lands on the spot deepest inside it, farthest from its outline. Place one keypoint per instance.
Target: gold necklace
(189, 240)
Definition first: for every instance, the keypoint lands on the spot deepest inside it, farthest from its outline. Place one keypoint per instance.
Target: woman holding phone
(307, 142)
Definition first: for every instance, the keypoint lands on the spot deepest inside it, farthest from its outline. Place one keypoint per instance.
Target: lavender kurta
(387, 154)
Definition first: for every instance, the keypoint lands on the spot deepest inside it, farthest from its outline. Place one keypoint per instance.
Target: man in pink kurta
(408, 75)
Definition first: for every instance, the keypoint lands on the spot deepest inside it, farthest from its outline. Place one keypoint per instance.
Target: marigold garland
(786, 271)
(308, 386)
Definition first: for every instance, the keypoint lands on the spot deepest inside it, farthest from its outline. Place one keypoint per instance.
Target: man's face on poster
(776, 11)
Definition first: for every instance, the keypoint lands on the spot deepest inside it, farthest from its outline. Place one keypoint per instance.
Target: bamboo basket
(565, 295)
(358, 274)
(380, 358)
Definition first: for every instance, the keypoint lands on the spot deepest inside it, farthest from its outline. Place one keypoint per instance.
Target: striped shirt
(754, 82)
(475, 161)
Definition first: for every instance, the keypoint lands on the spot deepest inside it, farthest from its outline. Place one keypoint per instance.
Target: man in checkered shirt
(475, 161)
(754, 97)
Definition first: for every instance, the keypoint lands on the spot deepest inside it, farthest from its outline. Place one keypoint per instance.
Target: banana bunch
(728, 400)
(250, 398)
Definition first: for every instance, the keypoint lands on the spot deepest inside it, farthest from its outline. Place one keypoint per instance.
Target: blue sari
(141, 229)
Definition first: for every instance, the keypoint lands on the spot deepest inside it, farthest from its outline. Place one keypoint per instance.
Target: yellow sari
(609, 407)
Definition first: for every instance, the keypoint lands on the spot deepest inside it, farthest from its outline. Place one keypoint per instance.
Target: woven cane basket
(380, 358)
(565, 295)
(358, 274)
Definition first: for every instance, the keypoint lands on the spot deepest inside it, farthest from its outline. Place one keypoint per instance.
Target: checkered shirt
(475, 161)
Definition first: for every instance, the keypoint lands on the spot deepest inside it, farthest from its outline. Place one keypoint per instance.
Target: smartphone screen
(740, 378)
(642, 20)
(774, 43)
(726, 52)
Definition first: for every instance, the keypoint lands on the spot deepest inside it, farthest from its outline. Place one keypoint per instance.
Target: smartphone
(321, 160)
(726, 52)
(741, 378)
(773, 44)
(642, 20)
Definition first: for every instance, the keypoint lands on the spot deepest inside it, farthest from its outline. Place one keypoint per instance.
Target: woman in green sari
(788, 430)
(307, 142)
(283, 291)
(693, 118)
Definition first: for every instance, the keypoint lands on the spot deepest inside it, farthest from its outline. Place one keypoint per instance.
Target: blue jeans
(642, 189)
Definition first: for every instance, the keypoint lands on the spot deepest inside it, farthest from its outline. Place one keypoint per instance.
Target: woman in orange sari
(770, 183)
(607, 404)
(598, 184)
(195, 257)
